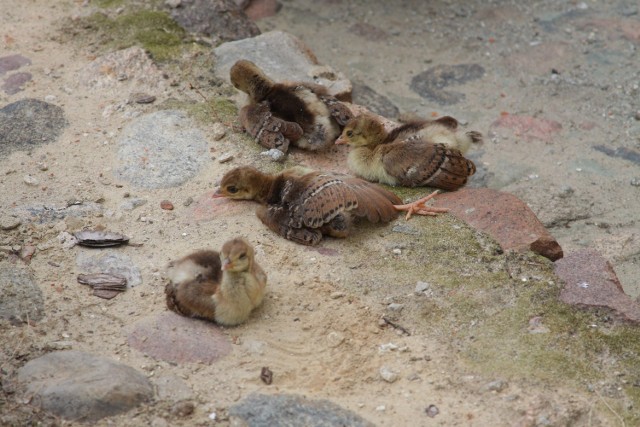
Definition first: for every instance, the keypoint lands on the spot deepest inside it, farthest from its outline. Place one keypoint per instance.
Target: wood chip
(100, 239)
(266, 375)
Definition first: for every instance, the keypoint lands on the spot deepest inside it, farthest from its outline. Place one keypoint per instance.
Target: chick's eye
(232, 189)
(349, 133)
(243, 256)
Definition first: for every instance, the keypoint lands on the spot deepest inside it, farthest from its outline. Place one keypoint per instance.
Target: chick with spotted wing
(303, 206)
(417, 153)
(280, 114)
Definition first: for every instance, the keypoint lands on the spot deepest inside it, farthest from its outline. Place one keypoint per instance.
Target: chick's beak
(218, 194)
(342, 140)
(227, 264)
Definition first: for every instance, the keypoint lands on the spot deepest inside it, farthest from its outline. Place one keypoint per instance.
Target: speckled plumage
(223, 287)
(417, 153)
(279, 114)
(303, 206)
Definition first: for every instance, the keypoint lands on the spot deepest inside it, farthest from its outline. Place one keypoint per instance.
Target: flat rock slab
(28, 123)
(12, 62)
(14, 83)
(591, 282)
(282, 57)
(379, 104)
(122, 68)
(529, 128)
(179, 339)
(504, 217)
(110, 262)
(20, 296)
(222, 20)
(292, 410)
(431, 84)
(160, 150)
(80, 386)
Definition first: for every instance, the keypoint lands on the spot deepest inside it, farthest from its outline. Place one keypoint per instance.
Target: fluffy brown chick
(300, 113)
(222, 287)
(302, 206)
(418, 153)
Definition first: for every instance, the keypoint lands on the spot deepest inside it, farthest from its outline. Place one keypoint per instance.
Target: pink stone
(590, 281)
(207, 208)
(504, 217)
(528, 127)
(258, 9)
(178, 339)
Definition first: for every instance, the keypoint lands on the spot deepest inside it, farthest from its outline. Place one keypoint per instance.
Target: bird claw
(419, 208)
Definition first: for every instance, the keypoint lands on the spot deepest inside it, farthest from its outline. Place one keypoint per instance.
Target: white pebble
(31, 180)
(388, 375)
(218, 131)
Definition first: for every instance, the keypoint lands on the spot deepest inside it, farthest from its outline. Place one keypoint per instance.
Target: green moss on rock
(154, 31)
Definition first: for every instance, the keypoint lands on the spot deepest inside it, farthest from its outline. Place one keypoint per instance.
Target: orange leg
(418, 207)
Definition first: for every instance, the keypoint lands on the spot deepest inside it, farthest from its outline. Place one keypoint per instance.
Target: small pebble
(497, 385)
(336, 295)
(388, 375)
(226, 157)
(637, 115)
(274, 154)
(183, 409)
(166, 205)
(335, 339)
(635, 182)
(30, 180)
(218, 131)
(395, 306)
(397, 251)
(188, 201)
(142, 98)
(422, 287)
(9, 223)
(432, 411)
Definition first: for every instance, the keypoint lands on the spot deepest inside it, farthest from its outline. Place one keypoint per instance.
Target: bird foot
(419, 208)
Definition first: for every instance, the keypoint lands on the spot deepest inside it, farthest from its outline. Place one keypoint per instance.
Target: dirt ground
(320, 338)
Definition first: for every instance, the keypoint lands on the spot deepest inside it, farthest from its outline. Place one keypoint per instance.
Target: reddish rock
(258, 9)
(614, 27)
(207, 208)
(504, 217)
(166, 205)
(591, 282)
(528, 127)
(178, 339)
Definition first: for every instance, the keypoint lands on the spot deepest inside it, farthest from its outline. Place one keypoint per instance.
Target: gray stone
(110, 262)
(131, 204)
(379, 104)
(388, 375)
(281, 56)
(128, 69)
(47, 213)
(172, 388)
(13, 84)
(405, 229)
(28, 123)
(161, 149)
(82, 387)
(422, 287)
(292, 410)
(12, 62)
(178, 339)
(430, 84)
(20, 297)
(9, 222)
(221, 20)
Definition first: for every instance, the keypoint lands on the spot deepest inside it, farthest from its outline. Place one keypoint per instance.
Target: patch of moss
(154, 31)
(105, 4)
(213, 110)
(482, 302)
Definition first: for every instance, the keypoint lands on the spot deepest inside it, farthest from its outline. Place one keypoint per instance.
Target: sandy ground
(319, 343)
